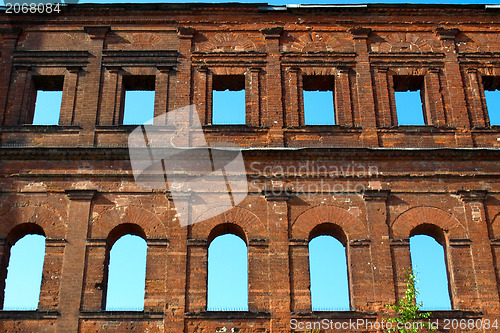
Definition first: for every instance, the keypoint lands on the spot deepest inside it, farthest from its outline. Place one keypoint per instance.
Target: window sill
(32, 314)
(418, 129)
(454, 314)
(233, 128)
(130, 128)
(228, 315)
(121, 315)
(323, 128)
(41, 128)
(493, 128)
(334, 314)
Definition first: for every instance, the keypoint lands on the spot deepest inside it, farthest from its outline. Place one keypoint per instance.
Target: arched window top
(125, 229)
(329, 229)
(227, 228)
(430, 230)
(22, 230)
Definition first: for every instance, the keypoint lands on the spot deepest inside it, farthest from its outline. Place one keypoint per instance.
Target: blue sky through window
(318, 108)
(493, 105)
(47, 107)
(127, 274)
(227, 274)
(24, 275)
(139, 107)
(328, 270)
(409, 108)
(427, 258)
(228, 107)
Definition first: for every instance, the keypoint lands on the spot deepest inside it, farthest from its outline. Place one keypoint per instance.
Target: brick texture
(366, 180)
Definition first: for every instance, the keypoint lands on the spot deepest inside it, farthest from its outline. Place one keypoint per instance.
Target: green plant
(409, 318)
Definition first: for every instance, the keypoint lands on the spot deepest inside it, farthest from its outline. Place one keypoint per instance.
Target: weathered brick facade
(74, 181)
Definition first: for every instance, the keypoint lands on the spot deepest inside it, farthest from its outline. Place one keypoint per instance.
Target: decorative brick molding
(350, 224)
(413, 217)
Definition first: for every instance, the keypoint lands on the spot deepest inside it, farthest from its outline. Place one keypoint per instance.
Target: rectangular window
(228, 100)
(139, 100)
(47, 101)
(408, 94)
(491, 86)
(318, 100)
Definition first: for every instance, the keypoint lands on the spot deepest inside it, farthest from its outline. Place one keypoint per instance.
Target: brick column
(156, 268)
(343, 104)
(433, 101)
(9, 42)
(94, 284)
(197, 261)
(183, 77)
(178, 260)
(455, 87)
(400, 251)
(300, 276)
(25, 99)
(292, 101)
(74, 259)
(161, 91)
(111, 99)
(381, 260)
(478, 112)
(4, 263)
(484, 268)
(69, 96)
(19, 96)
(386, 116)
(202, 99)
(253, 100)
(278, 225)
(51, 276)
(88, 112)
(366, 102)
(273, 114)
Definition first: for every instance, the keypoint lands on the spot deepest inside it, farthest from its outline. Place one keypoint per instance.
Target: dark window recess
(228, 100)
(318, 96)
(138, 100)
(46, 100)
(409, 96)
(491, 86)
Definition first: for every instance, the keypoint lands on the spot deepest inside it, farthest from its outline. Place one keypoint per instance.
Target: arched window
(227, 271)
(24, 272)
(429, 267)
(328, 269)
(126, 271)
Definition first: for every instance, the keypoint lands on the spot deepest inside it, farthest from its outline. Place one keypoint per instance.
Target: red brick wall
(75, 180)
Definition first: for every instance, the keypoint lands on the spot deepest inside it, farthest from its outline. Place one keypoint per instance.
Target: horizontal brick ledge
(228, 315)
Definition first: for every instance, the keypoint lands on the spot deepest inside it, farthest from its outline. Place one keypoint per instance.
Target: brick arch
(318, 41)
(228, 42)
(52, 223)
(404, 42)
(416, 216)
(308, 220)
(319, 71)
(150, 223)
(245, 219)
